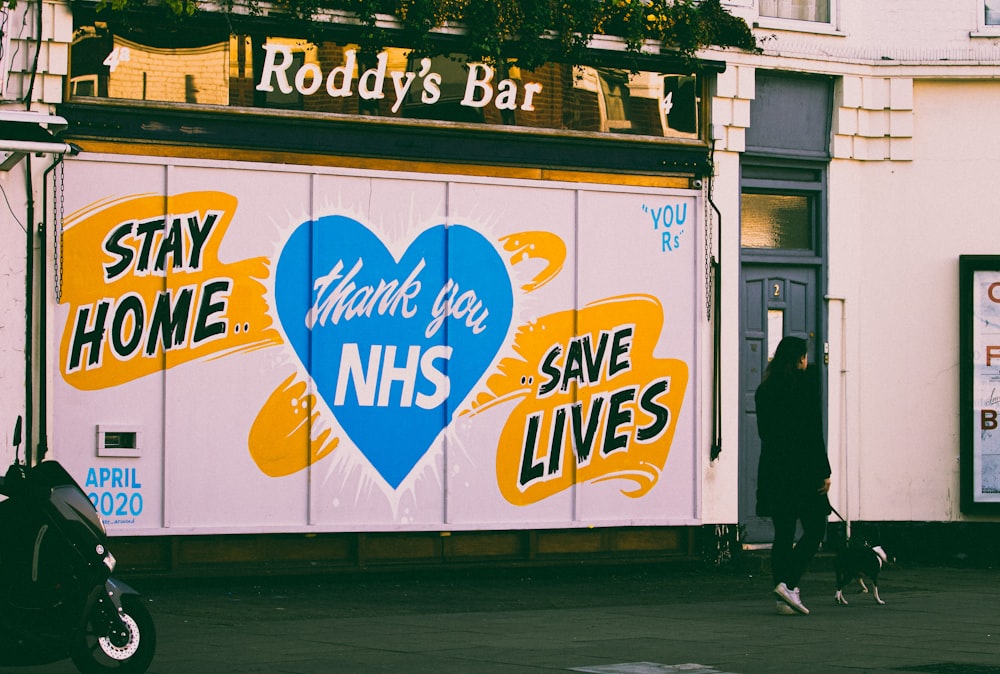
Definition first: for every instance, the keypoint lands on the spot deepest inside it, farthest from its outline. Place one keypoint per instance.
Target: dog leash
(834, 510)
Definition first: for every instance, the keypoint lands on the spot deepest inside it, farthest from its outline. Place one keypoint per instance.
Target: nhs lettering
(394, 346)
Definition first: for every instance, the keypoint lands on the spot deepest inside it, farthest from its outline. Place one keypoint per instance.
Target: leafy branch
(531, 32)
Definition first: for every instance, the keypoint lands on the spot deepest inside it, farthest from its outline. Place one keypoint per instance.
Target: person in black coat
(793, 476)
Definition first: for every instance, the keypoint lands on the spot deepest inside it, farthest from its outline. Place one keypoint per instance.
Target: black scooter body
(57, 597)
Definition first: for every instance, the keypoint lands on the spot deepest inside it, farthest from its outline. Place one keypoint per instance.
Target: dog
(857, 561)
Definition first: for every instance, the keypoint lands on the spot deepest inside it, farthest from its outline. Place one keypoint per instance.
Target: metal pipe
(35, 146)
(43, 407)
(29, 307)
(30, 434)
(843, 408)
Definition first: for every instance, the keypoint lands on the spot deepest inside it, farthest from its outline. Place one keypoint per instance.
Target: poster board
(281, 349)
(979, 302)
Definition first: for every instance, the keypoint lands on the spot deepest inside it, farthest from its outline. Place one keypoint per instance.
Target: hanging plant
(531, 32)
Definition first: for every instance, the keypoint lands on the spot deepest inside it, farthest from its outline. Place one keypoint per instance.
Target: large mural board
(249, 347)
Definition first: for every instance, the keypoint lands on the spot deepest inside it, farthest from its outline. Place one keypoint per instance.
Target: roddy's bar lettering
(308, 79)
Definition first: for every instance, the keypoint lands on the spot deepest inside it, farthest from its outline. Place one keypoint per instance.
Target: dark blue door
(777, 301)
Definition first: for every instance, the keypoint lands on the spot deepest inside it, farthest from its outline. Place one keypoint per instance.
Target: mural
(147, 290)
(310, 350)
(393, 347)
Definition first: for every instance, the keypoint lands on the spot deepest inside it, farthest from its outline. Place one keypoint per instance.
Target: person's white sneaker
(790, 597)
(781, 608)
(797, 594)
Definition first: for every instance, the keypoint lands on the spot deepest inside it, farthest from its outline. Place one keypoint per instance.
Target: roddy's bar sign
(309, 79)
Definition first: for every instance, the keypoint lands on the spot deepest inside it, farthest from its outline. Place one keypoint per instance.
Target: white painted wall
(896, 232)
(12, 306)
(863, 30)
(897, 223)
(21, 92)
(720, 493)
(913, 185)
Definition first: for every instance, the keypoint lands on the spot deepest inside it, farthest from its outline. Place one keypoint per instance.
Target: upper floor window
(992, 13)
(988, 19)
(798, 10)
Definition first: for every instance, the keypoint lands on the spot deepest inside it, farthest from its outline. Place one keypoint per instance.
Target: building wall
(12, 299)
(719, 495)
(911, 184)
(917, 218)
(912, 187)
(20, 44)
(52, 54)
(196, 75)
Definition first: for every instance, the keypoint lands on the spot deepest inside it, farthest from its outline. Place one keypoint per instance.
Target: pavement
(611, 619)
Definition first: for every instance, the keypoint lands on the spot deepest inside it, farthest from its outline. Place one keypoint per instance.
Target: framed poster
(979, 306)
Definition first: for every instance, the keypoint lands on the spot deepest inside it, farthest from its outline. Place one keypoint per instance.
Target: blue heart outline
(393, 437)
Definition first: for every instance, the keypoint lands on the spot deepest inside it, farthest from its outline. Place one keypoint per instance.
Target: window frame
(759, 175)
(831, 27)
(811, 197)
(984, 29)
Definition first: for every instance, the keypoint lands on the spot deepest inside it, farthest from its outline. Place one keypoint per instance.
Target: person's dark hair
(786, 357)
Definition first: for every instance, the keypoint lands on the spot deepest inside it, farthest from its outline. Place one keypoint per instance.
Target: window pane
(801, 10)
(776, 221)
(775, 330)
(993, 12)
(210, 66)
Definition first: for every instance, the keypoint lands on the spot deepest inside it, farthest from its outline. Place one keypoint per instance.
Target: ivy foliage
(531, 32)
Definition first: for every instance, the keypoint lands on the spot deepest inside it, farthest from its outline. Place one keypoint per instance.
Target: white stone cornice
(824, 64)
(730, 107)
(872, 114)
(873, 118)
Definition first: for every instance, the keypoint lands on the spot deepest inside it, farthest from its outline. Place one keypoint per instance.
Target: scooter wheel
(97, 652)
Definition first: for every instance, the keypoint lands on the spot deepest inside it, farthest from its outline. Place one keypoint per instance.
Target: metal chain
(709, 276)
(58, 210)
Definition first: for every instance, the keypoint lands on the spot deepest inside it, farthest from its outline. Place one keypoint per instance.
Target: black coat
(793, 461)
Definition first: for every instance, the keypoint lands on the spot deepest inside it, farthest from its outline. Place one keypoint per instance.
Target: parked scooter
(57, 597)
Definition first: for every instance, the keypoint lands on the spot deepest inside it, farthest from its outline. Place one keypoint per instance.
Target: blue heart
(392, 369)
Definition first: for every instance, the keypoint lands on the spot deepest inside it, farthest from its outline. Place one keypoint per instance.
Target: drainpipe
(843, 409)
(29, 310)
(30, 434)
(716, 265)
(43, 416)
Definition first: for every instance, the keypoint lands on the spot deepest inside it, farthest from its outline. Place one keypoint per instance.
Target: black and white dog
(857, 561)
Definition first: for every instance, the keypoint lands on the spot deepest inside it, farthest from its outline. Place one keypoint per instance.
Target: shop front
(316, 307)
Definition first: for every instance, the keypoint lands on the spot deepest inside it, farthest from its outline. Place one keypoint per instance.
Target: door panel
(776, 302)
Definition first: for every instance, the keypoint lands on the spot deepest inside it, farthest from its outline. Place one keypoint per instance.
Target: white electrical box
(119, 441)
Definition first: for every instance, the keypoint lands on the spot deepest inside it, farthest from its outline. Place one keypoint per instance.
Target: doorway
(783, 206)
(776, 302)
